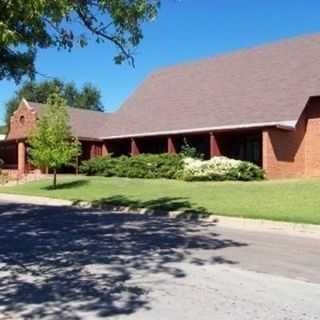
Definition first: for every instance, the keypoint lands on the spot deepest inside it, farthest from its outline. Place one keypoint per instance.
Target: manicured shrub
(147, 166)
(220, 169)
(169, 166)
(94, 166)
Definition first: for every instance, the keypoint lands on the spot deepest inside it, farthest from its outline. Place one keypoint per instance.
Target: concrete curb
(285, 228)
(42, 201)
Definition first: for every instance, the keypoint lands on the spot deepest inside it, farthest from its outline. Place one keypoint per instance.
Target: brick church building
(261, 105)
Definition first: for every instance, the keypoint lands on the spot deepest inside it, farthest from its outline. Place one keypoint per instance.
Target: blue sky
(185, 30)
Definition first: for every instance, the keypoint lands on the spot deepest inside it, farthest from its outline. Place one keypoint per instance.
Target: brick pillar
(77, 165)
(265, 151)
(171, 145)
(104, 151)
(92, 151)
(134, 148)
(21, 158)
(214, 146)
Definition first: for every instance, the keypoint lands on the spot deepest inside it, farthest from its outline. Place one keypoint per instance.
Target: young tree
(51, 143)
(29, 25)
(87, 97)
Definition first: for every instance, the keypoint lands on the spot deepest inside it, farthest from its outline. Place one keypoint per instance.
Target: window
(22, 120)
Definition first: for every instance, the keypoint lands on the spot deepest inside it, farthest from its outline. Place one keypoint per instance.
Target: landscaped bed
(287, 200)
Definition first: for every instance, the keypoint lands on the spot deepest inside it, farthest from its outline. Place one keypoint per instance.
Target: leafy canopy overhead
(88, 97)
(51, 143)
(27, 25)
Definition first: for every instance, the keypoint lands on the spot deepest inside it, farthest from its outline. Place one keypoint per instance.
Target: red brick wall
(21, 122)
(312, 139)
(284, 151)
(294, 153)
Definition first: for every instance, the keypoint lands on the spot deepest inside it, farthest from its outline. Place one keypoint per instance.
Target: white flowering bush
(219, 169)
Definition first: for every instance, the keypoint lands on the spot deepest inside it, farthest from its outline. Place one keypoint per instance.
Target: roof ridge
(75, 108)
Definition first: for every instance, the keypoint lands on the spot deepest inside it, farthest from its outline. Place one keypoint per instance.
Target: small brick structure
(13, 150)
(21, 122)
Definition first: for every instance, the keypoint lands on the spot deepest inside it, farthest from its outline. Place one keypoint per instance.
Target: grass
(289, 200)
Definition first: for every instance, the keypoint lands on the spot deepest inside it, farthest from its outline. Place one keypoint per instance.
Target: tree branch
(102, 34)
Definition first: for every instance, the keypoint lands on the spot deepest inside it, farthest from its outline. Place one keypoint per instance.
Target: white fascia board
(286, 125)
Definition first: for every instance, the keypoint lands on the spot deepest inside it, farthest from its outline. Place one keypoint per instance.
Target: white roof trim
(27, 103)
(286, 125)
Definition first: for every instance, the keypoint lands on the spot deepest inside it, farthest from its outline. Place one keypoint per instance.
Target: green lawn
(289, 200)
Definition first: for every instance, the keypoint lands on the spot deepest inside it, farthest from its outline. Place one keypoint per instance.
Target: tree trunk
(77, 165)
(54, 178)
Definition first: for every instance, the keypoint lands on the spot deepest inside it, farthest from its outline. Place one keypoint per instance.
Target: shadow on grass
(68, 185)
(159, 207)
(71, 263)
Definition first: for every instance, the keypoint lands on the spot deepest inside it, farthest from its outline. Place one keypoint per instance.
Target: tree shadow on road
(158, 206)
(68, 263)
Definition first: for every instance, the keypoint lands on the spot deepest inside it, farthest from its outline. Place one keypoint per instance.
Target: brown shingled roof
(264, 86)
(84, 123)
(270, 84)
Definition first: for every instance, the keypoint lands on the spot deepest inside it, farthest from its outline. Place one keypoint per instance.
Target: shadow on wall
(67, 263)
(287, 144)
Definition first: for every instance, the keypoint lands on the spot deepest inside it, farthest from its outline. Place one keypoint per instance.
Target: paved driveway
(66, 263)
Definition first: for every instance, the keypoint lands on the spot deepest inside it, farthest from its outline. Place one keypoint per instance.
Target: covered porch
(13, 154)
(238, 144)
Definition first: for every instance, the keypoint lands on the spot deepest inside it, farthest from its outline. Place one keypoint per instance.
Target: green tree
(88, 97)
(29, 25)
(51, 144)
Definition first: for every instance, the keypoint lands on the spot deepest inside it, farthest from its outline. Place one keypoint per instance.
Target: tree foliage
(51, 144)
(27, 25)
(88, 97)
(189, 151)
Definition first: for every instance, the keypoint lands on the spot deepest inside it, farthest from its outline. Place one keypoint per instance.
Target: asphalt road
(66, 263)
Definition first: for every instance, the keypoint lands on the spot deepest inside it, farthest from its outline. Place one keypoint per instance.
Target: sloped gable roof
(263, 86)
(84, 123)
(267, 85)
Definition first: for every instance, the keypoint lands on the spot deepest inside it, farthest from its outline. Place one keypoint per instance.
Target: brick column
(265, 151)
(134, 148)
(214, 146)
(21, 158)
(77, 165)
(171, 145)
(104, 151)
(92, 151)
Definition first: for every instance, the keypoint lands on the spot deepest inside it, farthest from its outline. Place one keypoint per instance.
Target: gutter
(289, 125)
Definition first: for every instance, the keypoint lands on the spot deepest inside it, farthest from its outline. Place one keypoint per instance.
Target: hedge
(170, 166)
(147, 166)
(219, 169)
